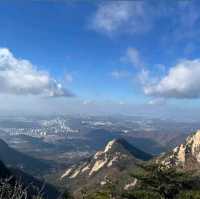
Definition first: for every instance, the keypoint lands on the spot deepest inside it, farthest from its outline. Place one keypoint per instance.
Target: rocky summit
(112, 164)
(115, 154)
(186, 155)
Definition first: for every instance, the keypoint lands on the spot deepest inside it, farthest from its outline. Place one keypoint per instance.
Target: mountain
(186, 155)
(148, 142)
(13, 158)
(115, 154)
(110, 164)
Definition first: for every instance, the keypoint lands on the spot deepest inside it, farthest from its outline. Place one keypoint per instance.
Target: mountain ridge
(113, 163)
(116, 150)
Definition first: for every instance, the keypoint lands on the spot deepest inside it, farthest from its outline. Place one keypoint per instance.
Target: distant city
(47, 127)
(51, 129)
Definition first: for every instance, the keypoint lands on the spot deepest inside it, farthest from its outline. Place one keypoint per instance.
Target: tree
(167, 182)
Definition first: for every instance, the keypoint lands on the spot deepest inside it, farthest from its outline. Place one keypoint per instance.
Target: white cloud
(112, 16)
(182, 81)
(119, 74)
(21, 77)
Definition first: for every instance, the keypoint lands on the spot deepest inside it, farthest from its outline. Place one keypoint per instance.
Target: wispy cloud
(133, 57)
(21, 77)
(133, 17)
(114, 16)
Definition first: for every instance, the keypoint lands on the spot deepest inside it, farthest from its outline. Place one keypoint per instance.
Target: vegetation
(189, 195)
(154, 182)
(10, 188)
(15, 190)
(166, 183)
(143, 194)
(108, 191)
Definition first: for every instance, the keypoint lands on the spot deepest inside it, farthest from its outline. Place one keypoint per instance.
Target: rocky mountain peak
(115, 154)
(186, 155)
(194, 142)
(109, 145)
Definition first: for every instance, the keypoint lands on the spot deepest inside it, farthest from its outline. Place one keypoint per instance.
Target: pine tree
(167, 182)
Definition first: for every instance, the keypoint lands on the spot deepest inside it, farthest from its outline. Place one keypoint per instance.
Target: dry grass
(15, 190)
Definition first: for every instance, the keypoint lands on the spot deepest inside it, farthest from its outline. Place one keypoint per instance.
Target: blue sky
(118, 52)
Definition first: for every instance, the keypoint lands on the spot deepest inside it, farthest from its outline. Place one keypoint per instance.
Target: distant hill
(113, 163)
(13, 158)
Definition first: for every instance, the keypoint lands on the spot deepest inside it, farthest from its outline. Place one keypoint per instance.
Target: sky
(100, 57)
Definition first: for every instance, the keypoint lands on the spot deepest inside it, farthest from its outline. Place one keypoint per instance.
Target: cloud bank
(21, 77)
(182, 81)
